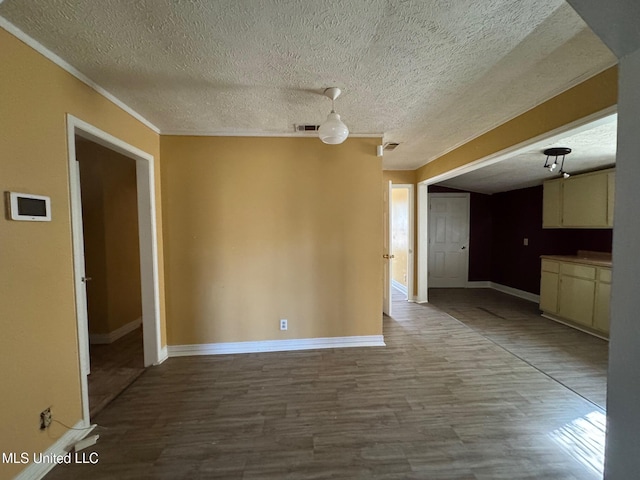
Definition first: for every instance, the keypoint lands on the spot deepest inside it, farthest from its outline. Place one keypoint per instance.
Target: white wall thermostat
(28, 207)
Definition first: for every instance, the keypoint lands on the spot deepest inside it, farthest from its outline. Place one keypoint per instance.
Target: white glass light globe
(333, 131)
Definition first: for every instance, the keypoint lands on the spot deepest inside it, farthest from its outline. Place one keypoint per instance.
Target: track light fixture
(555, 153)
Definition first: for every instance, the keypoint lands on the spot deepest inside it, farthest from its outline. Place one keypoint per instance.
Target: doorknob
(86, 279)
(463, 247)
(386, 255)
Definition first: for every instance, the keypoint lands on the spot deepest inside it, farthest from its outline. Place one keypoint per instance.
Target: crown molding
(66, 66)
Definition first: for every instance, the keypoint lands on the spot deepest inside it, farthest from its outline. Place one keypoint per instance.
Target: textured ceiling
(593, 147)
(429, 74)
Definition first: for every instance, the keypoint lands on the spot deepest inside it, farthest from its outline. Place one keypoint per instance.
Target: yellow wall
(399, 176)
(259, 229)
(589, 97)
(110, 221)
(38, 345)
(400, 234)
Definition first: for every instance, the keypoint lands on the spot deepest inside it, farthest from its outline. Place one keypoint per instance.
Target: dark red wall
(498, 225)
(517, 215)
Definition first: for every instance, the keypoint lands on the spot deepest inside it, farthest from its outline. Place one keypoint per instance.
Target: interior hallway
(440, 401)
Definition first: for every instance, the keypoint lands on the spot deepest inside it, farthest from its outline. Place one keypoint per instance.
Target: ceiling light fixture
(555, 153)
(333, 131)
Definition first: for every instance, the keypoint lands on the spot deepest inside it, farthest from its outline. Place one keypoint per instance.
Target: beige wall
(110, 221)
(259, 229)
(38, 345)
(400, 234)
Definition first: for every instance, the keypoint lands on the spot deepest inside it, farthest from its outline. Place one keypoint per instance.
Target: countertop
(597, 259)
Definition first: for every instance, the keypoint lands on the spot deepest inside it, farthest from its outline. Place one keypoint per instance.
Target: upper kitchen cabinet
(580, 201)
(552, 204)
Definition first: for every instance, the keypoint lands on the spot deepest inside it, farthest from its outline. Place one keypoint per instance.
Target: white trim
(479, 284)
(532, 297)
(423, 243)
(275, 345)
(105, 338)
(62, 446)
(48, 54)
(164, 354)
(398, 286)
(147, 232)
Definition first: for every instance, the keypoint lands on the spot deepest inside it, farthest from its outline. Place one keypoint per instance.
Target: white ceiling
(593, 147)
(428, 74)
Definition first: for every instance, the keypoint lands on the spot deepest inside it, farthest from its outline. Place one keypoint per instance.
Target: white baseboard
(104, 338)
(275, 345)
(532, 297)
(36, 471)
(479, 284)
(398, 286)
(164, 354)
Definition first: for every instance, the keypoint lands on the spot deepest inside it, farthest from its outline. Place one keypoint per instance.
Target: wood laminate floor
(574, 358)
(114, 367)
(440, 401)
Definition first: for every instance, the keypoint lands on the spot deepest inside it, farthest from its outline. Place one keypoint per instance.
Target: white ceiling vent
(390, 146)
(305, 127)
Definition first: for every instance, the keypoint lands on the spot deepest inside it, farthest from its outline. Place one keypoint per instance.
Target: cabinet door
(549, 292)
(576, 299)
(551, 204)
(584, 201)
(601, 314)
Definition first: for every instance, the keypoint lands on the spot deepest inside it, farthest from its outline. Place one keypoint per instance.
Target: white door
(448, 239)
(386, 250)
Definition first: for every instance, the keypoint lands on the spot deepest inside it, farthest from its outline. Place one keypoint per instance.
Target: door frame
(410, 234)
(467, 197)
(150, 287)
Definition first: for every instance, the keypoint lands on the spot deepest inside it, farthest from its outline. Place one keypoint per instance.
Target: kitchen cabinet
(549, 281)
(601, 312)
(580, 201)
(575, 293)
(551, 204)
(576, 299)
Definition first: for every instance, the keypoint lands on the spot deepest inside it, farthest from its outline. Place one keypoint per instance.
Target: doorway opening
(402, 239)
(81, 135)
(108, 192)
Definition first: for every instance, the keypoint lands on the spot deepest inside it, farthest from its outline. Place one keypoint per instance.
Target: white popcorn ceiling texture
(428, 74)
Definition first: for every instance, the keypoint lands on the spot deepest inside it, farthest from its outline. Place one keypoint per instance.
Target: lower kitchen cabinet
(576, 297)
(576, 294)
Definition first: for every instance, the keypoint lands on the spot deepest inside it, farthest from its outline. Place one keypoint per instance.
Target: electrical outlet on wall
(525, 242)
(45, 418)
(283, 324)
